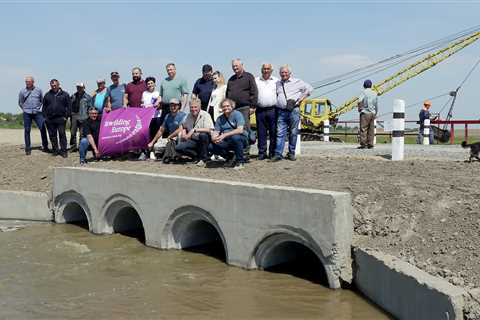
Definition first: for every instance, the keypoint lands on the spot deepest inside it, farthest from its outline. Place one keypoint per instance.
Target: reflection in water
(63, 272)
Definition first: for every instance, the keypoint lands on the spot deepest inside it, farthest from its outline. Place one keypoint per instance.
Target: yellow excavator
(316, 110)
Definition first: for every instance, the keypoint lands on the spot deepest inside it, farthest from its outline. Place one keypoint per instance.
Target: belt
(265, 108)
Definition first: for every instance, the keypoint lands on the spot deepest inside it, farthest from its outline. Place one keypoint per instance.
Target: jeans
(27, 125)
(287, 122)
(266, 127)
(57, 126)
(195, 148)
(83, 148)
(420, 136)
(367, 127)
(235, 143)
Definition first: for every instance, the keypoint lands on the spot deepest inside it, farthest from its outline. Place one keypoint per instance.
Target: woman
(150, 99)
(99, 97)
(217, 96)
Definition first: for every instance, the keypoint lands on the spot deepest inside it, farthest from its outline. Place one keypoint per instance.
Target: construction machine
(315, 111)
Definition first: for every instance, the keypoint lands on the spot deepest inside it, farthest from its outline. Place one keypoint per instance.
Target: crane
(316, 110)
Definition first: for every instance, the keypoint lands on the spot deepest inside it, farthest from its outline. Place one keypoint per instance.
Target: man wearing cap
(115, 93)
(99, 97)
(30, 101)
(81, 102)
(173, 87)
(134, 90)
(423, 115)
(368, 108)
(57, 109)
(204, 86)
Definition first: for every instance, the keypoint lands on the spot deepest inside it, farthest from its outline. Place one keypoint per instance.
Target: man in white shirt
(266, 113)
(197, 127)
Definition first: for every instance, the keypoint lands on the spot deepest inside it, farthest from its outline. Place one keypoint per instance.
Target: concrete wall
(24, 205)
(404, 290)
(250, 219)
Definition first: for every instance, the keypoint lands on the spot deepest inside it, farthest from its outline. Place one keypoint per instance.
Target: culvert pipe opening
(296, 259)
(127, 222)
(73, 213)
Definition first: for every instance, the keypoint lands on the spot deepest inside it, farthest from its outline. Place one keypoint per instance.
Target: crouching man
(229, 135)
(90, 132)
(197, 127)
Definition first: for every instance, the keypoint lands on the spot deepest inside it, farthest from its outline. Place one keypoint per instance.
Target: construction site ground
(424, 210)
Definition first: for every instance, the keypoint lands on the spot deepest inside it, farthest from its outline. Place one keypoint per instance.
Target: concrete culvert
(199, 236)
(296, 259)
(73, 213)
(128, 222)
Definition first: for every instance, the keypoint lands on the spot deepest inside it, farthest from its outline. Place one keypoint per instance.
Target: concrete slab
(177, 212)
(405, 291)
(24, 205)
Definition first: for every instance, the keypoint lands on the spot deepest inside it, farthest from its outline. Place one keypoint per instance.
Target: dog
(474, 150)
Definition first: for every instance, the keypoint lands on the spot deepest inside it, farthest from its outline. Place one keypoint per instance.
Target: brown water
(50, 271)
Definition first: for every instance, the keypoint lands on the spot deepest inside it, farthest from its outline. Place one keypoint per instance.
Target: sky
(84, 41)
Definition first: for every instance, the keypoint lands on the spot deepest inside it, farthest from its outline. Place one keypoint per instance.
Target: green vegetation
(11, 121)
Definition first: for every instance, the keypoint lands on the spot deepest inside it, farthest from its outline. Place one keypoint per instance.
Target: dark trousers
(196, 149)
(165, 111)
(28, 118)
(57, 126)
(235, 143)
(155, 124)
(266, 127)
(366, 128)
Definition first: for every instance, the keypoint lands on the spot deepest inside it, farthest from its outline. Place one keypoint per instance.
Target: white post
(426, 132)
(298, 145)
(398, 129)
(374, 131)
(326, 130)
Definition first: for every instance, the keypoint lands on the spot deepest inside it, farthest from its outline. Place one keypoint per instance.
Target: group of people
(214, 122)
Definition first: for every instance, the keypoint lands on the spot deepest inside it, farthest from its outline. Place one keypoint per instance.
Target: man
(242, 89)
(204, 86)
(197, 125)
(115, 93)
(290, 94)
(265, 113)
(171, 124)
(230, 135)
(134, 90)
(423, 115)
(368, 108)
(172, 87)
(81, 102)
(30, 101)
(90, 132)
(56, 109)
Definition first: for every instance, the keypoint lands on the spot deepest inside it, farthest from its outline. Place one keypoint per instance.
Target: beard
(136, 78)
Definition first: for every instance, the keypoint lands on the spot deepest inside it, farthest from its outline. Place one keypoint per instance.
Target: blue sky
(85, 41)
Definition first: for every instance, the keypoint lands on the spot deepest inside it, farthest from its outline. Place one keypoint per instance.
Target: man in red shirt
(134, 90)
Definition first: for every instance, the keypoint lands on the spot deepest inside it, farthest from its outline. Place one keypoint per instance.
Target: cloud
(346, 60)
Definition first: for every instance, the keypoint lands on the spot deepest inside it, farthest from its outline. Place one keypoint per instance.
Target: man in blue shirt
(115, 93)
(30, 101)
(204, 86)
(229, 135)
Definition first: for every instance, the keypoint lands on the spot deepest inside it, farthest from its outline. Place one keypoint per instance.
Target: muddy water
(52, 271)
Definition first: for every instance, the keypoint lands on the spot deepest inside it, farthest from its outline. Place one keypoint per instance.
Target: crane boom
(409, 72)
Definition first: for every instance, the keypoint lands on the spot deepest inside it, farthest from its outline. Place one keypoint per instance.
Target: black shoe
(73, 149)
(229, 163)
(291, 157)
(262, 157)
(276, 159)
(28, 152)
(64, 155)
(46, 150)
(55, 153)
(370, 146)
(361, 147)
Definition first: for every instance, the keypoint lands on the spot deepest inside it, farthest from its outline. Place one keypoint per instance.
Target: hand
(218, 138)
(97, 154)
(189, 135)
(150, 145)
(252, 110)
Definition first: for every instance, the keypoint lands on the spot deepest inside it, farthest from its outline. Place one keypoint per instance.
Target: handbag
(291, 104)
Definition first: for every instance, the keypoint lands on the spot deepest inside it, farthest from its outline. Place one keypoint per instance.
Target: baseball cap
(114, 73)
(174, 101)
(100, 80)
(427, 103)
(80, 84)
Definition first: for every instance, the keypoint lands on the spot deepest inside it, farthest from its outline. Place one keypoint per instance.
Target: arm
(108, 102)
(157, 136)
(20, 100)
(184, 101)
(175, 133)
(94, 146)
(125, 98)
(253, 94)
(220, 137)
(306, 91)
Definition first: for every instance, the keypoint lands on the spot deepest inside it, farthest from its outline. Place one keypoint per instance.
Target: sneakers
(83, 163)
(229, 163)
(28, 152)
(361, 147)
(262, 157)
(291, 157)
(152, 156)
(64, 155)
(142, 157)
(276, 158)
(239, 166)
(370, 146)
(201, 164)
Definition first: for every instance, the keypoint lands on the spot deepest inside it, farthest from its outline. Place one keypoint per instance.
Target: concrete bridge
(259, 226)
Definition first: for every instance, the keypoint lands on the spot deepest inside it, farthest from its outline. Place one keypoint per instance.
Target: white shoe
(142, 157)
(152, 156)
(239, 166)
(201, 163)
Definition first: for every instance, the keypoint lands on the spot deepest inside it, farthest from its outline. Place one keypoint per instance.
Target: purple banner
(124, 130)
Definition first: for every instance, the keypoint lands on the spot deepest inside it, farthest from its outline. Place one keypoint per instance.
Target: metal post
(326, 130)
(466, 132)
(398, 129)
(374, 131)
(452, 133)
(426, 132)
